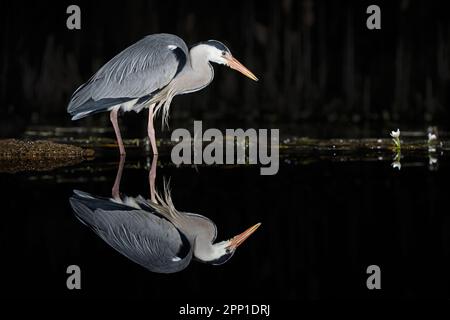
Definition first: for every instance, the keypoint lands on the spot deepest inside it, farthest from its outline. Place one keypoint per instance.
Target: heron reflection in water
(153, 233)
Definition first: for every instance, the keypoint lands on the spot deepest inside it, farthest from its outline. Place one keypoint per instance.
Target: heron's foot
(153, 145)
(154, 149)
(122, 151)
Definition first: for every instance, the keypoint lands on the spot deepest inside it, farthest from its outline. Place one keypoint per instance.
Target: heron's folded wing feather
(139, 70)
(142, 237)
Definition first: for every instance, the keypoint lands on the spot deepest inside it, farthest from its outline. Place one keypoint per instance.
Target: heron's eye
(223, 53)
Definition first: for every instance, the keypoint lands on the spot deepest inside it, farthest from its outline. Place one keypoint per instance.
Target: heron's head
(217, 52)
(221, 252)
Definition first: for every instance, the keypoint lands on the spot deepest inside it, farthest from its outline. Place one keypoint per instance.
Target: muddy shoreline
(40, 155)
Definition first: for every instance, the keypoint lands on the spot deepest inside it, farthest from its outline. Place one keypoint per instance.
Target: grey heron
(148, 74)
(154, 234)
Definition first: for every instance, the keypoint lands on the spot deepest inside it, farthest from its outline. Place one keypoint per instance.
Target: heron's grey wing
(143, 237)
(135, 73)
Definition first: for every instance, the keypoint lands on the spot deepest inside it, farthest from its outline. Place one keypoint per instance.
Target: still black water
(323, 223)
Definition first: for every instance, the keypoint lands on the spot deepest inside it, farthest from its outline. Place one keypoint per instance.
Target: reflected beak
(240, 238)
(233, 63)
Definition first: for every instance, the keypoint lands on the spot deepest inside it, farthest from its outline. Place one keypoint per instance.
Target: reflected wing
(140, 235)
(138, 71)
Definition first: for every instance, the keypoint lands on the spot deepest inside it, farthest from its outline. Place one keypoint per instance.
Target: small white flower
(396, 138)
(431, 137)
(432, 160)
(395, 134)
(396, 164)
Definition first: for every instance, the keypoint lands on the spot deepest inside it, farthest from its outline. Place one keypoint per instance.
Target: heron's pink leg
(113, 117)
(116, 186)
(151, 129)
(152, 178)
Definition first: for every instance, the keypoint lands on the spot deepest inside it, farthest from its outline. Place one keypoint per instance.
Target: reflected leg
(116, 186)
(151, 129)
(152, 178)
(113, 118)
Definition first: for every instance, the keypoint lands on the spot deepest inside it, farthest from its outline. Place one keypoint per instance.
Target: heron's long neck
(200, 72)
(206, 251)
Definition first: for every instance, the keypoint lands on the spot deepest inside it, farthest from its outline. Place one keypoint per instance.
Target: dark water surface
(323, 223)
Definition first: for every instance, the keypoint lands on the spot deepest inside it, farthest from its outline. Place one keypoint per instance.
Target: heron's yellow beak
(240, 238)
(233, 63)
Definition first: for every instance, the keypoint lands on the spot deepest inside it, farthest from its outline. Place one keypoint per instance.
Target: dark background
(316, 60)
